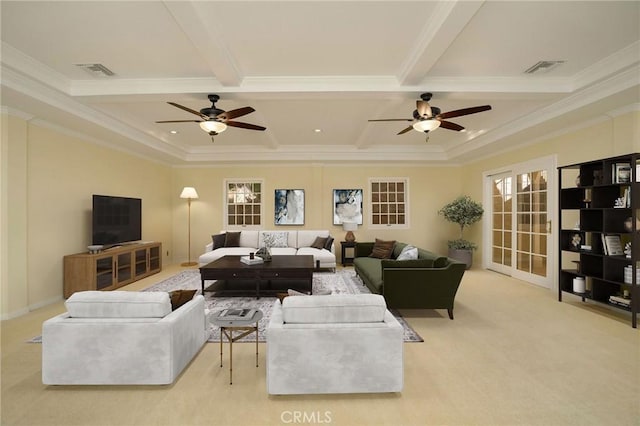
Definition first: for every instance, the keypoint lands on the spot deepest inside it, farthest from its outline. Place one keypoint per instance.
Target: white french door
(518, 228)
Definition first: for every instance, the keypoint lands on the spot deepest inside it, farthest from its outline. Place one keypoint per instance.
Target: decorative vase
(264, 253)
(349, 237)
(462, 255)
(578, 285)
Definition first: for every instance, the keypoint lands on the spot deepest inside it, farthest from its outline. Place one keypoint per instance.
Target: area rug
(339, 282)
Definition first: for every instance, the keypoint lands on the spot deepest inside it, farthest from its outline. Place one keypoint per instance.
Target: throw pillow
(407, 253)
(275, 239)
(382, 249)
(329, 243)
(319, 243)
(180, 297)
(232, 239)
(218, 240)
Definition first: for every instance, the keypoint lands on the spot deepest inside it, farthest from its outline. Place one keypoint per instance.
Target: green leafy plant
(463, 211)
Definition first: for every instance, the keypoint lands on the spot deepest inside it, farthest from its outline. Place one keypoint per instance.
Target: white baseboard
(24, 311)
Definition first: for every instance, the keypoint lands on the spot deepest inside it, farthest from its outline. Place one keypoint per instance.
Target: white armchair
(121, 338)
(346, 343)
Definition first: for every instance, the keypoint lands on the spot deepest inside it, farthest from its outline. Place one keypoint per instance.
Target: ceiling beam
(445, 24)
(206, 40)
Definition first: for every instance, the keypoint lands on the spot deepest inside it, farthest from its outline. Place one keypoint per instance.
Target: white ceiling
(329, 65)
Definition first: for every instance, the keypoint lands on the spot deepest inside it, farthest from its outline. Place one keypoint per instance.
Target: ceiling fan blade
(244, 125)
(451, 126)
(401, 132)
(424, 109)
(184, 108)
(393, 119)
(228, 115)
(464, 111)
(179, 121)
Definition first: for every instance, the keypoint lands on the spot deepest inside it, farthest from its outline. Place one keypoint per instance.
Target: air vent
(96, 70)
(543, 66)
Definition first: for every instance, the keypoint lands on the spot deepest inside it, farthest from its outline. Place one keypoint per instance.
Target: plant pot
(462, 255)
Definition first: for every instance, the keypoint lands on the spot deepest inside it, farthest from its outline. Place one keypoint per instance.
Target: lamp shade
(213, 126)
(350, 226)
(426, 125)
(189, 192)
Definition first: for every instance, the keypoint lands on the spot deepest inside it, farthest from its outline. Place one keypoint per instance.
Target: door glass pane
(524, 222)
(539, 265)
(501, 220)
(531, 215)
(507, 258)
(539, 244)
(523, 260)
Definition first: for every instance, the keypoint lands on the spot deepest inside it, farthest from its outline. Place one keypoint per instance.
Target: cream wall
(429, 187)
(52, 177)
(13, 211)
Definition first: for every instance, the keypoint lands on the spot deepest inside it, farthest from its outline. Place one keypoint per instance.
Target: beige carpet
(514, 355)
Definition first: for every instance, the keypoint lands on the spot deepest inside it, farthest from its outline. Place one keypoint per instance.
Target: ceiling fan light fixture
(213, 126)
(426, 125)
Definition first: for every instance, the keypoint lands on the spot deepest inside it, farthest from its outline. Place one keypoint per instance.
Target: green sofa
(429, 282)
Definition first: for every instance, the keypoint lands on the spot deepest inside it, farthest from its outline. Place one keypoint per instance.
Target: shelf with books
(601, 225)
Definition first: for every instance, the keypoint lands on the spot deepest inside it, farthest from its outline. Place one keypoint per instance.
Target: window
(389, 202)
(243, 202)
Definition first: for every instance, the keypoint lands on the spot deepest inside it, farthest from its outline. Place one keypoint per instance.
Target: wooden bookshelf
(596, 206)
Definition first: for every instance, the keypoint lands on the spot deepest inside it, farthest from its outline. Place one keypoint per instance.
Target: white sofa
(297, 242)
(345, 343)
(121, 338)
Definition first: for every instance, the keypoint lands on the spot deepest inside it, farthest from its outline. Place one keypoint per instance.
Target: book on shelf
(247, 260)
(618, 300)
(237, 313)
(621, 173)
(604, 245)
(613, 245)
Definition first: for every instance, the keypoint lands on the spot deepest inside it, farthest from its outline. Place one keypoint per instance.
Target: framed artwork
(289, 207)
(347, 206)
(621, 173)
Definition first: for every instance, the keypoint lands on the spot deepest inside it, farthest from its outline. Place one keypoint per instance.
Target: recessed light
(174, 132)
(317, 130)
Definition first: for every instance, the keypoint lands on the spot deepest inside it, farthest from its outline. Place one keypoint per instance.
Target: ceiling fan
(214, 120)
(427, 118)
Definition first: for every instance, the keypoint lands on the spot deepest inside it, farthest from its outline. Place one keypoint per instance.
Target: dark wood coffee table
(280, 268)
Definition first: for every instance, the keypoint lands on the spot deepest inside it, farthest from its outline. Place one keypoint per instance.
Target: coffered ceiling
(318, 65)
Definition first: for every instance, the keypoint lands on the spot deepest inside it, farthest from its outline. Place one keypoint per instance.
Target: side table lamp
(349, 227)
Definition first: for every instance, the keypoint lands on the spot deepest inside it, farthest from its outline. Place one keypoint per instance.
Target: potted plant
(463, 211)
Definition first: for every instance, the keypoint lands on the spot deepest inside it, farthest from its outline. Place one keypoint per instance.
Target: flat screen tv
(116, 220)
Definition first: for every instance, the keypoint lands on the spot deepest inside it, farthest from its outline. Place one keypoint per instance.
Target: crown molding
(18, 61)
(620, 60)
(619, 83)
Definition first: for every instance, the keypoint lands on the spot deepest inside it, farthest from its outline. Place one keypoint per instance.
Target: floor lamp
(190, 194)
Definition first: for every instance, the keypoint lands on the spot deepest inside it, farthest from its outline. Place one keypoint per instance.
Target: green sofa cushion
(371, 270)
(410, 263)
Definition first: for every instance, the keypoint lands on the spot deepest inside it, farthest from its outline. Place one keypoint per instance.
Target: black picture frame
(288, 207)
